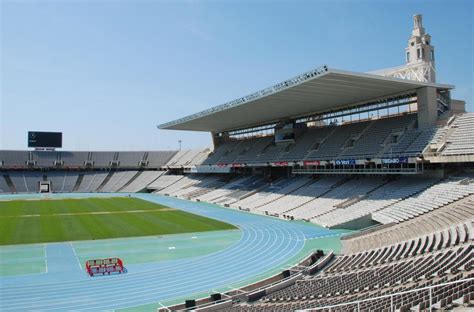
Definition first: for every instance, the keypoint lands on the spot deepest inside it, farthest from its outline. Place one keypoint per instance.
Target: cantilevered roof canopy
(316, 91)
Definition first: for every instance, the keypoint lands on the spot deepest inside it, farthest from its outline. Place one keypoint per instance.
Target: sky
(105, 73)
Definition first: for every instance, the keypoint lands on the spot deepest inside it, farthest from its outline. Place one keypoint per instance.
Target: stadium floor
(204, 262)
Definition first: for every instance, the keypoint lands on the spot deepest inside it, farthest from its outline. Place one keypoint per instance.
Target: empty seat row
(437, 196)
(442, 218)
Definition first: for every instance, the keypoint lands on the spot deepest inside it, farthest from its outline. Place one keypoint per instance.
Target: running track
(265, 243)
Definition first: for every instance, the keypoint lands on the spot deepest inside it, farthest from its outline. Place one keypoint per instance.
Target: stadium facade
(388, 153)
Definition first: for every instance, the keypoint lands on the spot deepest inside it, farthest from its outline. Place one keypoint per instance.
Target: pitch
(41, 221)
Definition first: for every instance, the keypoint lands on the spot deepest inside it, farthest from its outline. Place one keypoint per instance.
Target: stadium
(333, 190)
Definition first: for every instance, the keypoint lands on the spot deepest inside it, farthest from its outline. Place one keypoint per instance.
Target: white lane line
(90, 213)
(45, 258)
(75, 255)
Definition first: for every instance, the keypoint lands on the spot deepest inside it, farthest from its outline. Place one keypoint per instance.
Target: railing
(440, 154)
(391, 296)
(248, 290)
(370, 229)
(443, 99)
(414, 170)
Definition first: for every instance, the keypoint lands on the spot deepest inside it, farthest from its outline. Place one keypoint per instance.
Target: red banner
(311, 163)
(280, 164)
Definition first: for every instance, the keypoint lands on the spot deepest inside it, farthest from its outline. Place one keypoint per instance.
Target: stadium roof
(322, 89)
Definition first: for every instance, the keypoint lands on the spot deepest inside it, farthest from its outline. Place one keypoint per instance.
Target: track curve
(265, 243)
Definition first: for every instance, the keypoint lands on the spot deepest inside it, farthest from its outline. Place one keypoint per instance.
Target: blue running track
(265, 243)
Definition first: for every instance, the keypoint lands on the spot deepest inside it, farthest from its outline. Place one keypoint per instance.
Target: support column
(427, 107)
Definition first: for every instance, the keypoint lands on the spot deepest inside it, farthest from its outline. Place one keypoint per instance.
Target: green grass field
(41, 221)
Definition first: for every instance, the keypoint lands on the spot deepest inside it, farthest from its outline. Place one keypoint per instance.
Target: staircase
(130, 181)
(106, 180)
(336, 185)
(78, 182)
(10, 183)
(283, 195)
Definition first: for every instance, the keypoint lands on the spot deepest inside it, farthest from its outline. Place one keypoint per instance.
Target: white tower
(419, 48)
(419, 56)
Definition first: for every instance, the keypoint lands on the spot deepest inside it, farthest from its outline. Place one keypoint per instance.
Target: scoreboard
(45, 139)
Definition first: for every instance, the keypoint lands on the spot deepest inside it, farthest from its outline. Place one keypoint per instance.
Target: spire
(418, 29)
(417, 21)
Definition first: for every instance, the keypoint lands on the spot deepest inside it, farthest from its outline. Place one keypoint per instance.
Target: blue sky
(105, 73)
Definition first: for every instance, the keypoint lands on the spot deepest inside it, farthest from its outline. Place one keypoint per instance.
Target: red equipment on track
(104, 266)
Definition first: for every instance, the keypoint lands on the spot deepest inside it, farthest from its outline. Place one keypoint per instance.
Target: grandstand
(353, 151)
(387, 154)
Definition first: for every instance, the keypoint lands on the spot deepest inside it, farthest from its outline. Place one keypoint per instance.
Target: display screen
(284, 137)
(285, 132)
(45, 139)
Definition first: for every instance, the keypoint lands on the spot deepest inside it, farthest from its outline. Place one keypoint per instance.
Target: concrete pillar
(427, 107)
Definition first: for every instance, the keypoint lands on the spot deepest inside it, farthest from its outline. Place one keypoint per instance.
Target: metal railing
(391, 296)
(414, 170)
(296, 268)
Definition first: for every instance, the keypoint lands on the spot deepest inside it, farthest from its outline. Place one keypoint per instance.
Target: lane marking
(90, 213)
(45, 258)
(75, 255)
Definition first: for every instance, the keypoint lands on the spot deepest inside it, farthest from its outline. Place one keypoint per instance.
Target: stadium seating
(158, 159)
(141, 181)
(205, 185)
(26, 182)
(327, 202)
(103, 159)
(118, 180)
(234, 191)
(276, 189)
(14, 158)
(419, 144)
(130, 159)
(369, 143)
(187, 158)
(4, 188)
(164, 181)
(411, 143)
(44, 158)
(179, 185)
(460, 138)
(386, 137)
(72, 181)
(124, 159)
(334, 143)
(388, 194)
(437, 258)
(435, 197)
(330, 201)
(439, 219)
(365, 139)
(91, 181)
(74, 159)
(62, 181)
(302, 195)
